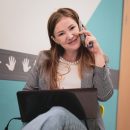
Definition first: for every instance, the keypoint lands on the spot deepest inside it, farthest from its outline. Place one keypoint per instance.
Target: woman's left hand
(95, 49)
(90, 38)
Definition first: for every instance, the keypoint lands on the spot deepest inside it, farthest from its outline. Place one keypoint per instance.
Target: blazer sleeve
(103, 83)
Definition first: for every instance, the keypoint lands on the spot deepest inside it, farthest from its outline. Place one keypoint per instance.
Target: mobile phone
(83, 37)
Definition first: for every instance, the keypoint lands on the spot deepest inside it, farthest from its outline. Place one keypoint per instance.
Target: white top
(68, 75)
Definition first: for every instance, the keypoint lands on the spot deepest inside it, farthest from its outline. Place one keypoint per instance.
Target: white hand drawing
(12, 62)
(26, 66)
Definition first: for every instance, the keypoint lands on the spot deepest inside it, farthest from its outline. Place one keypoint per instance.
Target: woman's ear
(54, 39)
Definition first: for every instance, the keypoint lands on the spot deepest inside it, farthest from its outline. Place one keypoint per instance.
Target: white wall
(23, 23)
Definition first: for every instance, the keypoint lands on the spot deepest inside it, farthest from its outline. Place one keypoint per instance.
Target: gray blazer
(99, 77)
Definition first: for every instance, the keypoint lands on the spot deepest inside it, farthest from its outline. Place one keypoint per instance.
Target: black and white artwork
(15, 65)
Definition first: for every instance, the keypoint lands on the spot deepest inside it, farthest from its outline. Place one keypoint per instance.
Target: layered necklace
(68, 62)
(64, 68)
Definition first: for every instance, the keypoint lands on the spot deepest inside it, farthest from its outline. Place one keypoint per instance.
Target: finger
(85, 32)
(14, 60)
(7, 65)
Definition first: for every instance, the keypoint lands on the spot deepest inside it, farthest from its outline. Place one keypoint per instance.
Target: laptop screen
(81, 102)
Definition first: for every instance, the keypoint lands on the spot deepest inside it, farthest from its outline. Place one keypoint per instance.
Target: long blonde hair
(86, 58)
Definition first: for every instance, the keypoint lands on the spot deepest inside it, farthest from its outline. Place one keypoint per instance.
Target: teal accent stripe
(105, 24)
(8, 103)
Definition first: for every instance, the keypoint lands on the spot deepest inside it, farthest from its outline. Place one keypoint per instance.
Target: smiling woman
(68, 38)
(69, 64)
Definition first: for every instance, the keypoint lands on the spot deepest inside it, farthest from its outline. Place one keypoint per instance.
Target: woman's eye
(60, 34)
(72, 27)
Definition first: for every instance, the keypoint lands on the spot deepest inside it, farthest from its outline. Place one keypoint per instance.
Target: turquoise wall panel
(106, 24)
(8, 103)
(110, 111)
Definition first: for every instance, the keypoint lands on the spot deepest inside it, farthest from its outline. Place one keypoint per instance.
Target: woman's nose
(70, 35)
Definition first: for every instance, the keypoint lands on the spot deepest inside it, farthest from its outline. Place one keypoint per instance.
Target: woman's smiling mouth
(73, 41)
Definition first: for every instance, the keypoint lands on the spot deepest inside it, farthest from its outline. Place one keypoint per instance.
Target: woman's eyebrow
(61, 31)
(71, 25)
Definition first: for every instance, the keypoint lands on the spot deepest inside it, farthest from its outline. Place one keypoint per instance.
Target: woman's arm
(101, 79)
(103, 83)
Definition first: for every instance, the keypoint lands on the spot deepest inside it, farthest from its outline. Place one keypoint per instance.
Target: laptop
(81, 102)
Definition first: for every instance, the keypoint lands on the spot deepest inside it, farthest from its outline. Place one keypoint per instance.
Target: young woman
(69, 62)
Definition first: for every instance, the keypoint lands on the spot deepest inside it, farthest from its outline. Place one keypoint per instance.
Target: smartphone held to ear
(83, 37)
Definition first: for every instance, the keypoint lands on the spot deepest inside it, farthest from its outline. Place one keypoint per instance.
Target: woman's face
(66, 34)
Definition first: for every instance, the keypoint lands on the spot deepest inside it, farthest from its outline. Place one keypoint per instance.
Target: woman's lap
(57, 118)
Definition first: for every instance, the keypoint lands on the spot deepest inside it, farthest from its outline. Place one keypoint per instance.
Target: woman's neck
(70, 56)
